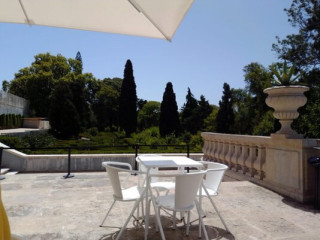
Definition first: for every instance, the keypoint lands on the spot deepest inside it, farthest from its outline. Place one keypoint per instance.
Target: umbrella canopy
(148, 18)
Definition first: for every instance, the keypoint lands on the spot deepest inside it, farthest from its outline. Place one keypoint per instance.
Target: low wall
(276, 162)
(37, 123)
(21, 162)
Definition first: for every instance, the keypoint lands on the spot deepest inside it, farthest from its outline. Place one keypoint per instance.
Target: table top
(150, 161)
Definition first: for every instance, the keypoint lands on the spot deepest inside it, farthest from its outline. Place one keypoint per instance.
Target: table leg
(146, 222)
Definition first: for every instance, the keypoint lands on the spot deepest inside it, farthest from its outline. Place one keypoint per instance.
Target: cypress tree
(225, 117)
(79, 58)
(1, 121)
(169, 117)
(128, 101)
(205, 109)
(5, 121)
(189, 114)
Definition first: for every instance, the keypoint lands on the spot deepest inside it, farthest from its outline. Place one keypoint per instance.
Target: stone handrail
(276, 162)
(242, 153)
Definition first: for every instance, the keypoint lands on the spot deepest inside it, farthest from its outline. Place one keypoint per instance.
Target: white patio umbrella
(148, 18)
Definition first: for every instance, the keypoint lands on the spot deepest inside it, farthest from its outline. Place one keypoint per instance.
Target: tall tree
(79, 58)
(205, 109)
(257, 78)
(106, 105)
(63, 115)
(128, 101)
(77, 84)
(190, 114)
(225, 117)
(169, 117)
(36, 82)
(210, 123)
(303, 50)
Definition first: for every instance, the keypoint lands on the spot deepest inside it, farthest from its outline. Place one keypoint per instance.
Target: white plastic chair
(159, 186)
(211, 183)
(120, 192)
(184, 198)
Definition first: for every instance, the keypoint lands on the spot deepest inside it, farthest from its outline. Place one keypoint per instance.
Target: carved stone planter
(286, 100)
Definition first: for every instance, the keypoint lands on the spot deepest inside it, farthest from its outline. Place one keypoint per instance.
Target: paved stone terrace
(46, 206)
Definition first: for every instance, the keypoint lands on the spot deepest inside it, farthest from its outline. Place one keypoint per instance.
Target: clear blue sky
(215, 41)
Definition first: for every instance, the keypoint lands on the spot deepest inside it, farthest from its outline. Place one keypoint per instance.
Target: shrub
(10, 141)
(36, 140)
(93, 131)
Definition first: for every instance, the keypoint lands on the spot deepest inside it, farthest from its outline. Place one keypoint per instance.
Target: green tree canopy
(210, 122)
(149, 115)
(169, 117)
(303, 50)
(63, 116)
(106, 105)
(36, 82)
(77, 85)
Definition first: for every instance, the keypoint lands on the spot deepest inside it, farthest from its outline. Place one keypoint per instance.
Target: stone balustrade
(243, 154)
(276, 162)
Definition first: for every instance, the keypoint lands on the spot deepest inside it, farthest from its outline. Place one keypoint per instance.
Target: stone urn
(286, 100)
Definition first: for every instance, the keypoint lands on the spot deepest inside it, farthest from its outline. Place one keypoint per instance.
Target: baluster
(259, 163)
(221, 154)
(243, 157)
(229, 152)
(250, 161)
(235, 156)
(217, 153)
(205, 149)
(225, 151)
(212, 150)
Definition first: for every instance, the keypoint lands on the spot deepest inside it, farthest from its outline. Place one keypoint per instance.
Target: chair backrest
(186, 188)
(113, 173)
(214, 176)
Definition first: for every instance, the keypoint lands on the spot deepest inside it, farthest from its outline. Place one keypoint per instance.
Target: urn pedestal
(286, 100)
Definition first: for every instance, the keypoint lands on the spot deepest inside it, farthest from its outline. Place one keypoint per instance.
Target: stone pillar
(287, 169)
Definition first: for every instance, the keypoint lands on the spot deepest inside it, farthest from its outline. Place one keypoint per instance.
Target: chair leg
(201, 221)
(130, 215)
(224, 224)
(114, 201)
(174, 220)
(157, 225)
(157, 213)
(200, 204)
(188, 224)
(155, 209)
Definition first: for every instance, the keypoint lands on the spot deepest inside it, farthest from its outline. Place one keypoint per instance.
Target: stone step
(4, 170)
(12, 173)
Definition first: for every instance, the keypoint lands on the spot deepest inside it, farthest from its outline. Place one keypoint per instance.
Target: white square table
(157, 161)
(150, 161)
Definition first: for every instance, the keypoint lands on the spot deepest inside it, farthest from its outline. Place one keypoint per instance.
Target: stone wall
(11, 104)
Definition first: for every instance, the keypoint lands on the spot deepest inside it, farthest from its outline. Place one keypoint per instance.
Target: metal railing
(136, 150)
